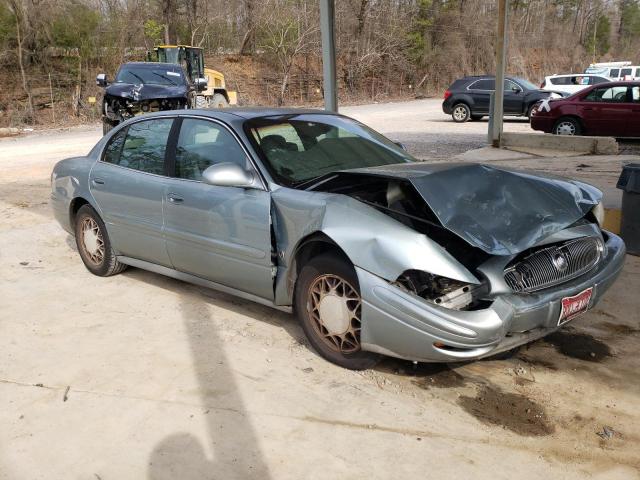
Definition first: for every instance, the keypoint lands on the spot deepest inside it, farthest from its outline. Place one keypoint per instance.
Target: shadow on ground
(232, 439)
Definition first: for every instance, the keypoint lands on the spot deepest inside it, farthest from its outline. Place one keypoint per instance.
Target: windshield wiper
(165, 77)
(313, 180)
(134, 75)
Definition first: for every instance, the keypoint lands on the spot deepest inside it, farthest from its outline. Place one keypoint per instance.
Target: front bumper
(402, 325)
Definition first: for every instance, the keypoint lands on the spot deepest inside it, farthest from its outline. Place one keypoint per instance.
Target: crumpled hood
(146, 91)
(498, 210)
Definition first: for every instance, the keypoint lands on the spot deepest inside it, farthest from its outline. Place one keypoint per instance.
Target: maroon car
(611, 109)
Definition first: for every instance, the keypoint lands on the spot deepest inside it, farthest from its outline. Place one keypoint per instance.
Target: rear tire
(461, 113)
(219, 101)
(328, 305)
(94, 245)
(567, 126)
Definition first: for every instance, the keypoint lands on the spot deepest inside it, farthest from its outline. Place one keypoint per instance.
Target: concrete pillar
(497, 113)
(327, 20)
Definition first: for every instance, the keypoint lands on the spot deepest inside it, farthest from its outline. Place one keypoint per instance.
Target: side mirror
(401, 145)
(101, 80)
(228, 175)
(516, 89)
(201, 84)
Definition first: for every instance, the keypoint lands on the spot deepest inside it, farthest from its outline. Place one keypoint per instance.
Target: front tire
(202, 102)
(328, 304)
(94, 245)
(567, 126)
(461, 113)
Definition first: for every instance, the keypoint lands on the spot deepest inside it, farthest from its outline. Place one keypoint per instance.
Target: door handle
(173, 198)
(587, 109)
(97, 181)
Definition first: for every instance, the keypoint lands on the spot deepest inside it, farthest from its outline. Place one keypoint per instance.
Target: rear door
(481, 90)
(128, 183)
(222, 234)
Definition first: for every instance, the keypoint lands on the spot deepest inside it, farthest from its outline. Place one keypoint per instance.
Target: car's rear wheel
(461, 113)
(329, 307)
(94, 245)
(567, 126)
(530, 111)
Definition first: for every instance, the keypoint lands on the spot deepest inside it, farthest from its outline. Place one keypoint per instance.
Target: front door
(513, 98)
(607, 111)
(222, 234)
(128, 184)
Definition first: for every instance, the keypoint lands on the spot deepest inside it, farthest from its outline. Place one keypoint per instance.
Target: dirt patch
(424, 375)
(579, 345)
(538, 362)
(511, 411)
(619, 328)
(446, 378)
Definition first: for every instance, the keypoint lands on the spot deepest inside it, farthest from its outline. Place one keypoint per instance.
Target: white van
(615, 70)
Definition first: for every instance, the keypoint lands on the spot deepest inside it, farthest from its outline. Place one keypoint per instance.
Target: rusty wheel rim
(91, 241)
(334, 309)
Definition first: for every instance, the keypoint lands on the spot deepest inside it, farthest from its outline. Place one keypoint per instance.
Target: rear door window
(625, 72)
(114, 148)
(144, 147)
(561, 81)
(596, 80)
(488, 84)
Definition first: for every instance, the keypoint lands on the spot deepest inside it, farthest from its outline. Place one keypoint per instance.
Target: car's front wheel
(329, 307)
(94, 245)
(461, 113)
(567, 126)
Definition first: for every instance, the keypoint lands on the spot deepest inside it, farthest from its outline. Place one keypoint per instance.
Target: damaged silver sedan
(305, 211)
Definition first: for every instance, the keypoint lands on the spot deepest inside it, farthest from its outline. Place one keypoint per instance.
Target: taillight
(447, 94)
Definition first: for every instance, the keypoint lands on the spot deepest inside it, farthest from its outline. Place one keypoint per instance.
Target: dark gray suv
(468, 98)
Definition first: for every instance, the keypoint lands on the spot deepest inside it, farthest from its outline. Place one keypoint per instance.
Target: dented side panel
(373, 241)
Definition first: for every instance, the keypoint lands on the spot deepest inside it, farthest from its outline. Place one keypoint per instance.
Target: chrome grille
(555, 264)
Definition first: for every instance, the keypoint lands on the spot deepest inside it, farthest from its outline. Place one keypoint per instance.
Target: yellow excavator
(192, 59)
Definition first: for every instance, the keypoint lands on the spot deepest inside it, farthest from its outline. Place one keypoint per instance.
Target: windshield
(299, 148)
(526, 84)
(153, 76)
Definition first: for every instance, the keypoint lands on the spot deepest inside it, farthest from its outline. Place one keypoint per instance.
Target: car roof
(619, 84)
(150, 65)
(574, 75)
(246, 113)
(254, 112)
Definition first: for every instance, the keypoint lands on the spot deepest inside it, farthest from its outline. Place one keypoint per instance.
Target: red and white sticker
(574, 306)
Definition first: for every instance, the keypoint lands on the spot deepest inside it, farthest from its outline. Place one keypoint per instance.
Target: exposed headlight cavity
(442, 291)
